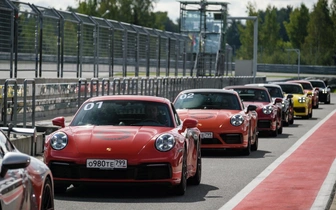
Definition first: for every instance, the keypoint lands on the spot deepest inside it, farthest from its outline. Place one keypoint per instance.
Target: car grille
(211, 141)
(300, 110)
(264, 123)
(141, 172)
(232, 138)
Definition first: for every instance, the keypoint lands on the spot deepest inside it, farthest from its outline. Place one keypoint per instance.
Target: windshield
(206, 100)
(275, 92)
(319, 84)
(121, 113)
(306, 86)
(294, 89)
(253, 95)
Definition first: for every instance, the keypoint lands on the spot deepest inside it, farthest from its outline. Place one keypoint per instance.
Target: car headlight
(165, 142)
(237, 120)
(302, 100)
(267, 109)
(58, 141)
(324, 91)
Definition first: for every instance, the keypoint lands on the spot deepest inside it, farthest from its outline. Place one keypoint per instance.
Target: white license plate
(106, 164)
(206, 135)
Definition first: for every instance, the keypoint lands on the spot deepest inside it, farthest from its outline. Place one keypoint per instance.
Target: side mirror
(278, 100)
(59, 121)
(289, 96)
(189, 123)
(251, 107)
(13, 160)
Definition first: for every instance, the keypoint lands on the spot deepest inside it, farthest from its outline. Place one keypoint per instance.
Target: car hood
(256, 103)
(209, 117)
(119, 139)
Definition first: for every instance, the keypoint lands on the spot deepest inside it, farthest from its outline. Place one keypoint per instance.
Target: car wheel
(47, 201)
(196, 179)
(61, 188)
(310, 115)
(254, 146)
(280, 129)
(247, 150)
(181, 188)
(275, 132)
(291, 119)
(328, 100)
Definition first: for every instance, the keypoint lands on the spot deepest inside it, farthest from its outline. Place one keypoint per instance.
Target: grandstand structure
(205, 23)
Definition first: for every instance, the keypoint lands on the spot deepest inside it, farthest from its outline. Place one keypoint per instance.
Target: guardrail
(26, 100)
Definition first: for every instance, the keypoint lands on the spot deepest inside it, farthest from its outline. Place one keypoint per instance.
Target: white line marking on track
(233, 202)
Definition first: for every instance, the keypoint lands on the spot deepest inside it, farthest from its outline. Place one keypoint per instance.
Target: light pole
(105, 13)
(298, 52)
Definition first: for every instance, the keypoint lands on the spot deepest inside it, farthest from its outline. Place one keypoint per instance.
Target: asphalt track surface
(302, 178)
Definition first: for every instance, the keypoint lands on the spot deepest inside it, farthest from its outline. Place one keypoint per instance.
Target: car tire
(181, 188)
(196, 179)
(275, 132)
(281, 128)
(247, 150)
(47, 201)
(254, 147)
(291, 120)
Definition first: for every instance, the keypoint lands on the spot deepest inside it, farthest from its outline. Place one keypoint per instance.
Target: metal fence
(44, 42)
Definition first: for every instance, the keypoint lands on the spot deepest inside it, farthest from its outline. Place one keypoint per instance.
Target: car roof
(299, 81)
(130, 97)
(245, 87)
(288, 83)
(264, 85)
(213, 90)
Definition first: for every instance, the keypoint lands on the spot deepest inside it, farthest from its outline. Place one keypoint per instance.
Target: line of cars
(114, 139)
(134, 139)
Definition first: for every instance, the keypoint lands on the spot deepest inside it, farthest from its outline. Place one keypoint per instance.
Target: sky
(236, 8)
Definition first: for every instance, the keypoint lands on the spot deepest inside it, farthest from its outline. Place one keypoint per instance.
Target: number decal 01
(89, 106)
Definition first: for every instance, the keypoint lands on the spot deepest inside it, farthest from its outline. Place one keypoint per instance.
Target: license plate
(106, 164)
(206, 135)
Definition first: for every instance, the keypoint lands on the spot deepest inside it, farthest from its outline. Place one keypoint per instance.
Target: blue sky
(237, 8)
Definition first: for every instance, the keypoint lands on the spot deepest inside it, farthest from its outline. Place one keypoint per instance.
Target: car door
(12, 189)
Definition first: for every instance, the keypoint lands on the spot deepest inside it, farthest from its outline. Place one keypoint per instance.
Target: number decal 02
(188, 95)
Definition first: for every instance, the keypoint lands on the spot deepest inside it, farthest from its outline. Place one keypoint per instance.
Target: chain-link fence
(44, 42)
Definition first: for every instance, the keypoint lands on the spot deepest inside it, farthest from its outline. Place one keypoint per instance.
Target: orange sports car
(125, 139)
(313, 92)
(223, 120)
(269, 113)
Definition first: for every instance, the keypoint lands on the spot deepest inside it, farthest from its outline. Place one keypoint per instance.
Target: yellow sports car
(303, 106)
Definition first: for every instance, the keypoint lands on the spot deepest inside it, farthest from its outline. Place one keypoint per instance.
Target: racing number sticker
(90, 105)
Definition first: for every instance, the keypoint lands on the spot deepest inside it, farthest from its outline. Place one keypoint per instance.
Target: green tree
(246, 34)
(233, 36)
(297, 26)
(318, 44)
(269, 31)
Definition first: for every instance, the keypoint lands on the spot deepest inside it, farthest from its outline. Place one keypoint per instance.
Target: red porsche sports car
(269, 113)
(222, 119)
(25, 181)
(125, 139)
(287, 105)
